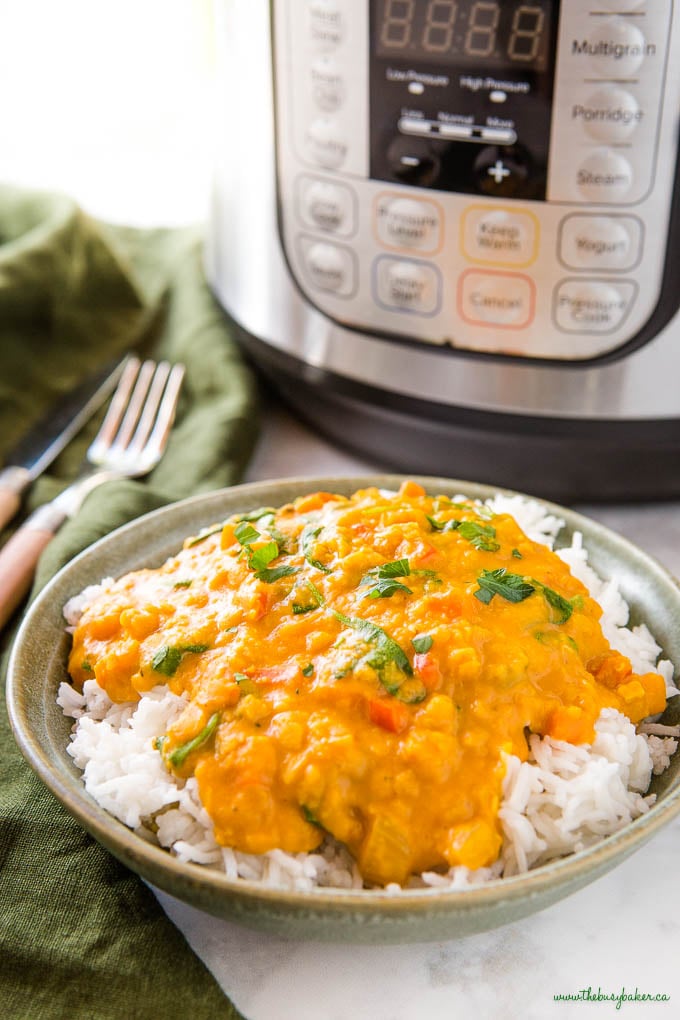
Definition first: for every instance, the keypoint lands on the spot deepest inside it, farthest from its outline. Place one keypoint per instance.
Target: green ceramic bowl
(38, 665)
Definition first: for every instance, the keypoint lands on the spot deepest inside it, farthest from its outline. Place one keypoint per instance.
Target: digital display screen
(484, 33)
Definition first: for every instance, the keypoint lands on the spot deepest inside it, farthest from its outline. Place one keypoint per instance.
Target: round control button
(410, 223)
(592, 306)
(325, 24)
(328, 206)
(328, 86)
(605, 176)
(504, 236)
(326, 144)
(407, 286)
(502, 170)
(610, 114)
(617, 48)
(497, 299)
(601, 242)
(328, 267)
(413, 161)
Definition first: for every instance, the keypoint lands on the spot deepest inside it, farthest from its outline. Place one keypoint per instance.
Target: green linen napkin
(80, 935)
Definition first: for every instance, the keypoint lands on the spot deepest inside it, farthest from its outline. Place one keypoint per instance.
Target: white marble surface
(620, 933)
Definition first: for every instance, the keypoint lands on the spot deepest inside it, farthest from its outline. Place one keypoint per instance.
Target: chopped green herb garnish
(206, 533)
(397, 568)
(371, 632)
(384, 589)
(388, 659)
(517, 554)
(340, 674)
(514, 588)
(182, 584)
(245, 533)
(308, 607)
(87, 666)
(256, 515)
(281, 539)
(246, 683)
(318, 597)
(259, 559)
(382, 579)
(309, 816)
(549, 637)
(422, 644)
(442, 525)
(168, 657)
(166, 660)
(159, 742)
(481, 536)
(307, 539)
(303, 607)
(308, 669)
(511, 587)
(271, 574)
(563, 607)
(266, 517)
(181, 753)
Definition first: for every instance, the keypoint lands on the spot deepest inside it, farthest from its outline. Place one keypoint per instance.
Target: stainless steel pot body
(604, 424)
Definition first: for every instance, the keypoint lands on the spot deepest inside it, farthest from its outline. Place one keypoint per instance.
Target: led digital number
(453, 28)
(440, 22)
(480, 38)
(527, 29)
(397, 24)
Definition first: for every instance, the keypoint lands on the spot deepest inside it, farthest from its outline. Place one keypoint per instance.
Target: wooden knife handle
(20, 555)
(13, 481)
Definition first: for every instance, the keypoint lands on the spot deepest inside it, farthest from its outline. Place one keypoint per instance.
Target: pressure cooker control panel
(496, 176)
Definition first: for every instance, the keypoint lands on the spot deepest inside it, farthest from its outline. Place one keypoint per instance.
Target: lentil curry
(358, 666)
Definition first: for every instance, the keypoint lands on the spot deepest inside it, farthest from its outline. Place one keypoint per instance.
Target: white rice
(563, 799)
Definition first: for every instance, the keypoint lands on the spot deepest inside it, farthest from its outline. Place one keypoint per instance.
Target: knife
(36, 450)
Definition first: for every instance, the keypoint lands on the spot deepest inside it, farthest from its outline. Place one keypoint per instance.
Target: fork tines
(140, 415)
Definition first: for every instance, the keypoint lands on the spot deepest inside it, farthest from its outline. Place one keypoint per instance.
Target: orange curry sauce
(359, 666)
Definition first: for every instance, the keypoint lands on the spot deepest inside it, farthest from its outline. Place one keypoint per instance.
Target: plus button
(503, 171)
(498, 171)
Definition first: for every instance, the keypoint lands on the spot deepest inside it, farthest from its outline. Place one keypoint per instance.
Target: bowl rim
(154, 862)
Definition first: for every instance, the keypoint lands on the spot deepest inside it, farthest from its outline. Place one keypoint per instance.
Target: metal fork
(130, 442)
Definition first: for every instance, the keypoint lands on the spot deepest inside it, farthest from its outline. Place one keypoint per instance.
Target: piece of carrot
(411, 489)
(611, 670)
(571, 724)
(314, 501)
(426, 553)
(389, 713)
(260, 604)
(655, 692)
(427, 669)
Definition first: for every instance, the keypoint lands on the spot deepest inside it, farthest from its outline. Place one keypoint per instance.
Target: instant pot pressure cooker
(448, 231)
